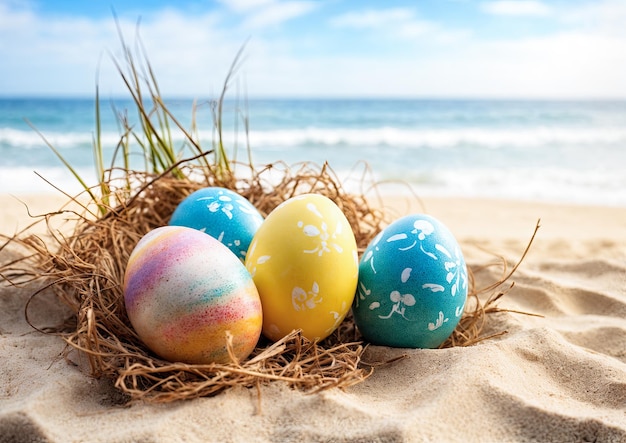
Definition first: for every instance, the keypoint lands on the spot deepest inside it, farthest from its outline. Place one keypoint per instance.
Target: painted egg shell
(221, 213)
(184, 290)
(304, 262)
(412, 284)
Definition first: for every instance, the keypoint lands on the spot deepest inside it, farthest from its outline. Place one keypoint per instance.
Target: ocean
(553, 151)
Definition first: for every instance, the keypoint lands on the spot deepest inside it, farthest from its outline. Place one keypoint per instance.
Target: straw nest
(85, 270)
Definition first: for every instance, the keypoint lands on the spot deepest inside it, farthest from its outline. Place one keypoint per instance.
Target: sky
(321, 48)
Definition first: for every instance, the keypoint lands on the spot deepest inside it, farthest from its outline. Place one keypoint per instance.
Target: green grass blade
(69, 167)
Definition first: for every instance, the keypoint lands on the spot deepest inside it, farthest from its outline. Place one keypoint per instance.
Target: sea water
(554, 151)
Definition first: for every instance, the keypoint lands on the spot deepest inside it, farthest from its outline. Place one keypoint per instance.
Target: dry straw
(85, 268)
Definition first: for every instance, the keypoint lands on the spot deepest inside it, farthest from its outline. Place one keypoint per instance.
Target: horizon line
(304, 97)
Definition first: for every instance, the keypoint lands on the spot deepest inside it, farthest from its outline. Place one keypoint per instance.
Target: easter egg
(304, 262)
(184, 292)
(221, 213)
(412, 284)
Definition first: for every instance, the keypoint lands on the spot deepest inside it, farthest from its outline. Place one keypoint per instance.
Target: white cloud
(561, 65)
(12, 19)
(374, 18)
(571, 64)
(245, 5)
(191, 54)
(60, 55)
(266, 13)
(607, 17)
(399, 22)
(516, 8)
(274, 14)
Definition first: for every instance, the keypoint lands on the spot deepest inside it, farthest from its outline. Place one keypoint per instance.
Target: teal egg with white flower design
(221, 213)
(412, 284)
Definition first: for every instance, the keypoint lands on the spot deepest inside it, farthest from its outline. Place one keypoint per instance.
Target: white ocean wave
(281, 139)
(16, 138)
(559, 185)
(550, 184)
(438, 138)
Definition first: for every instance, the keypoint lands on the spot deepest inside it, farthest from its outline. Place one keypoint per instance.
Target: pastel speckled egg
(184, 291)
(412, 284)
(221, 213)
(304, 262)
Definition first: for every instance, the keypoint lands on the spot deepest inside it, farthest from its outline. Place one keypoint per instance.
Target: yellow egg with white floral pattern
(304, 262)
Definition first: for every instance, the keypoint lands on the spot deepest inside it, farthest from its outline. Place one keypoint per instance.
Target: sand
(560, 377)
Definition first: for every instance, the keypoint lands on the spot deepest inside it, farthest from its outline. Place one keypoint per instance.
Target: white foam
(384, 136)
(595, 187)
(438, 138)
(16, 138)
(22, 180)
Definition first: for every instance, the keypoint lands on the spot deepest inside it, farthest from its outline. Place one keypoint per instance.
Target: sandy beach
(556, 377)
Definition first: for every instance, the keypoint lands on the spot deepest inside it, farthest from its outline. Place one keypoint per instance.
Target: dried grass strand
(469, 330)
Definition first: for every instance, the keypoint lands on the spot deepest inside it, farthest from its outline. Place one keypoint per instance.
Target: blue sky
(329, 48)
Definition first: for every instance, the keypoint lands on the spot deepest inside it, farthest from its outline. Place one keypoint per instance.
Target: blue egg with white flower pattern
(221, 213)
(412, 285)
